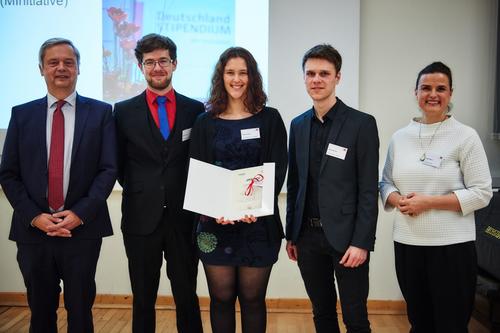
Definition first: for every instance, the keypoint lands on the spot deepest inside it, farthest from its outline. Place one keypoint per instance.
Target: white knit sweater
(464, 171)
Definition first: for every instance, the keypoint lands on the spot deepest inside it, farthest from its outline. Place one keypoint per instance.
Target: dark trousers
(319, 263)
(43, 266)
(438, 284)
(145, 258)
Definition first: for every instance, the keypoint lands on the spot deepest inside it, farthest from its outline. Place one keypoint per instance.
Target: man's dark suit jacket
(152, 171)
(348, 188)
(23, 172)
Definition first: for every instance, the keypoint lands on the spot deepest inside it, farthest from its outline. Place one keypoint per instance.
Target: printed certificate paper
(217, 192)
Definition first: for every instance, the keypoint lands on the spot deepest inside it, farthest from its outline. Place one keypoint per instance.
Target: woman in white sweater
(436, 175)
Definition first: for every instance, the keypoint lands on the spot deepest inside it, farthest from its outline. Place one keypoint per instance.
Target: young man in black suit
(153, 144)
(58, 168)
(332, 196)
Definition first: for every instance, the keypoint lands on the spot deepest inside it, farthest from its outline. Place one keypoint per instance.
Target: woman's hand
(246, 219)
(394, 198)
(414, 204)
(222, 221)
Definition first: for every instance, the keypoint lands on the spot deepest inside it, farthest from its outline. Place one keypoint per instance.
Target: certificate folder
(217, 192)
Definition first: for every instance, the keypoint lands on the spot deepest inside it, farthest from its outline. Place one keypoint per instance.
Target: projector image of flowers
(121, 76)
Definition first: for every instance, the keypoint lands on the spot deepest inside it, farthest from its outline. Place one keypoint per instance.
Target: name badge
(336, 151)
(432, 159)
(250, 133)
(186, 134)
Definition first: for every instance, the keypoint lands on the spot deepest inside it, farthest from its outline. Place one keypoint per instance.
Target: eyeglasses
(150, 63)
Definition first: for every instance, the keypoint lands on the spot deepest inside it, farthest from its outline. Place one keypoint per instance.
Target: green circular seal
(206, 242)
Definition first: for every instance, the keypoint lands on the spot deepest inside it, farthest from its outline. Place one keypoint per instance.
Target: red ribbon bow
(257, 178)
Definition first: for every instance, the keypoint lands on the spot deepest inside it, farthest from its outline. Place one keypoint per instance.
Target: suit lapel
(180, 117)
(303, 141)
(156, 135)
(141, 121)
(39, 129)
(40, 112)
(144, 126)
(82, 109)
(338, 122)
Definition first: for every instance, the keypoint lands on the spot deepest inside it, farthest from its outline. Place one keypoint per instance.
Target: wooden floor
(113, 320)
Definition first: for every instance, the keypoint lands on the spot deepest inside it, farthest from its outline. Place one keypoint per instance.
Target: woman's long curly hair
(255, 98)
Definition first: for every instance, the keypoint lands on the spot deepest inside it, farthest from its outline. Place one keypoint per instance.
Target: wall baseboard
(298, 305)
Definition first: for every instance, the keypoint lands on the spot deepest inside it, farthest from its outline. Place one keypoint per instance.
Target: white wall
(398, 38)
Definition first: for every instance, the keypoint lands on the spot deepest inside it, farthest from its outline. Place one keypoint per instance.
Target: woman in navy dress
(239, 131)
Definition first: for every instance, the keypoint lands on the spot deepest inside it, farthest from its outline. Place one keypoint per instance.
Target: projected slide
(201, 29)
(106, 32)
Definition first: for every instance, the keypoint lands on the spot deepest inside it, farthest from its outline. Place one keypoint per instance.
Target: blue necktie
(162, 116)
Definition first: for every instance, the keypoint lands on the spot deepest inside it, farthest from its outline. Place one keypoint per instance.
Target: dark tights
(249, 285)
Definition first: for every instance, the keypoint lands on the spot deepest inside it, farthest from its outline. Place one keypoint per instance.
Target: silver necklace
(423, 157)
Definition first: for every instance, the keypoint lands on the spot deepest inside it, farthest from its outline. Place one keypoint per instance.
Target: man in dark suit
(153, 139)
(58, 168)
(332, 196)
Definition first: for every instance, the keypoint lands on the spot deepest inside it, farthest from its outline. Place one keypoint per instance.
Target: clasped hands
(246, 219)
(413, 204)
(58, 224)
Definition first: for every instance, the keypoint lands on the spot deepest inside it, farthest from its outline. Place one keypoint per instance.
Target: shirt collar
(151, 95)
(70, 99)
(330, 114)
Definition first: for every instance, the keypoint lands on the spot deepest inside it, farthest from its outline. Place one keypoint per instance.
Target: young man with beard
(153, 144)
(332, 196)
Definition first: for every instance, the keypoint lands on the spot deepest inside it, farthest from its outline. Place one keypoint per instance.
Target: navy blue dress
(241, 244)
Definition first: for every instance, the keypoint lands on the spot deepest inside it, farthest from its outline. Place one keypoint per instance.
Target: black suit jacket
(152, 171)
(273, 149)
(347, 188)
(23, 172)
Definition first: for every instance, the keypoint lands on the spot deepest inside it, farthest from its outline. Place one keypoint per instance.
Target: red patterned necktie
(56, 160)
